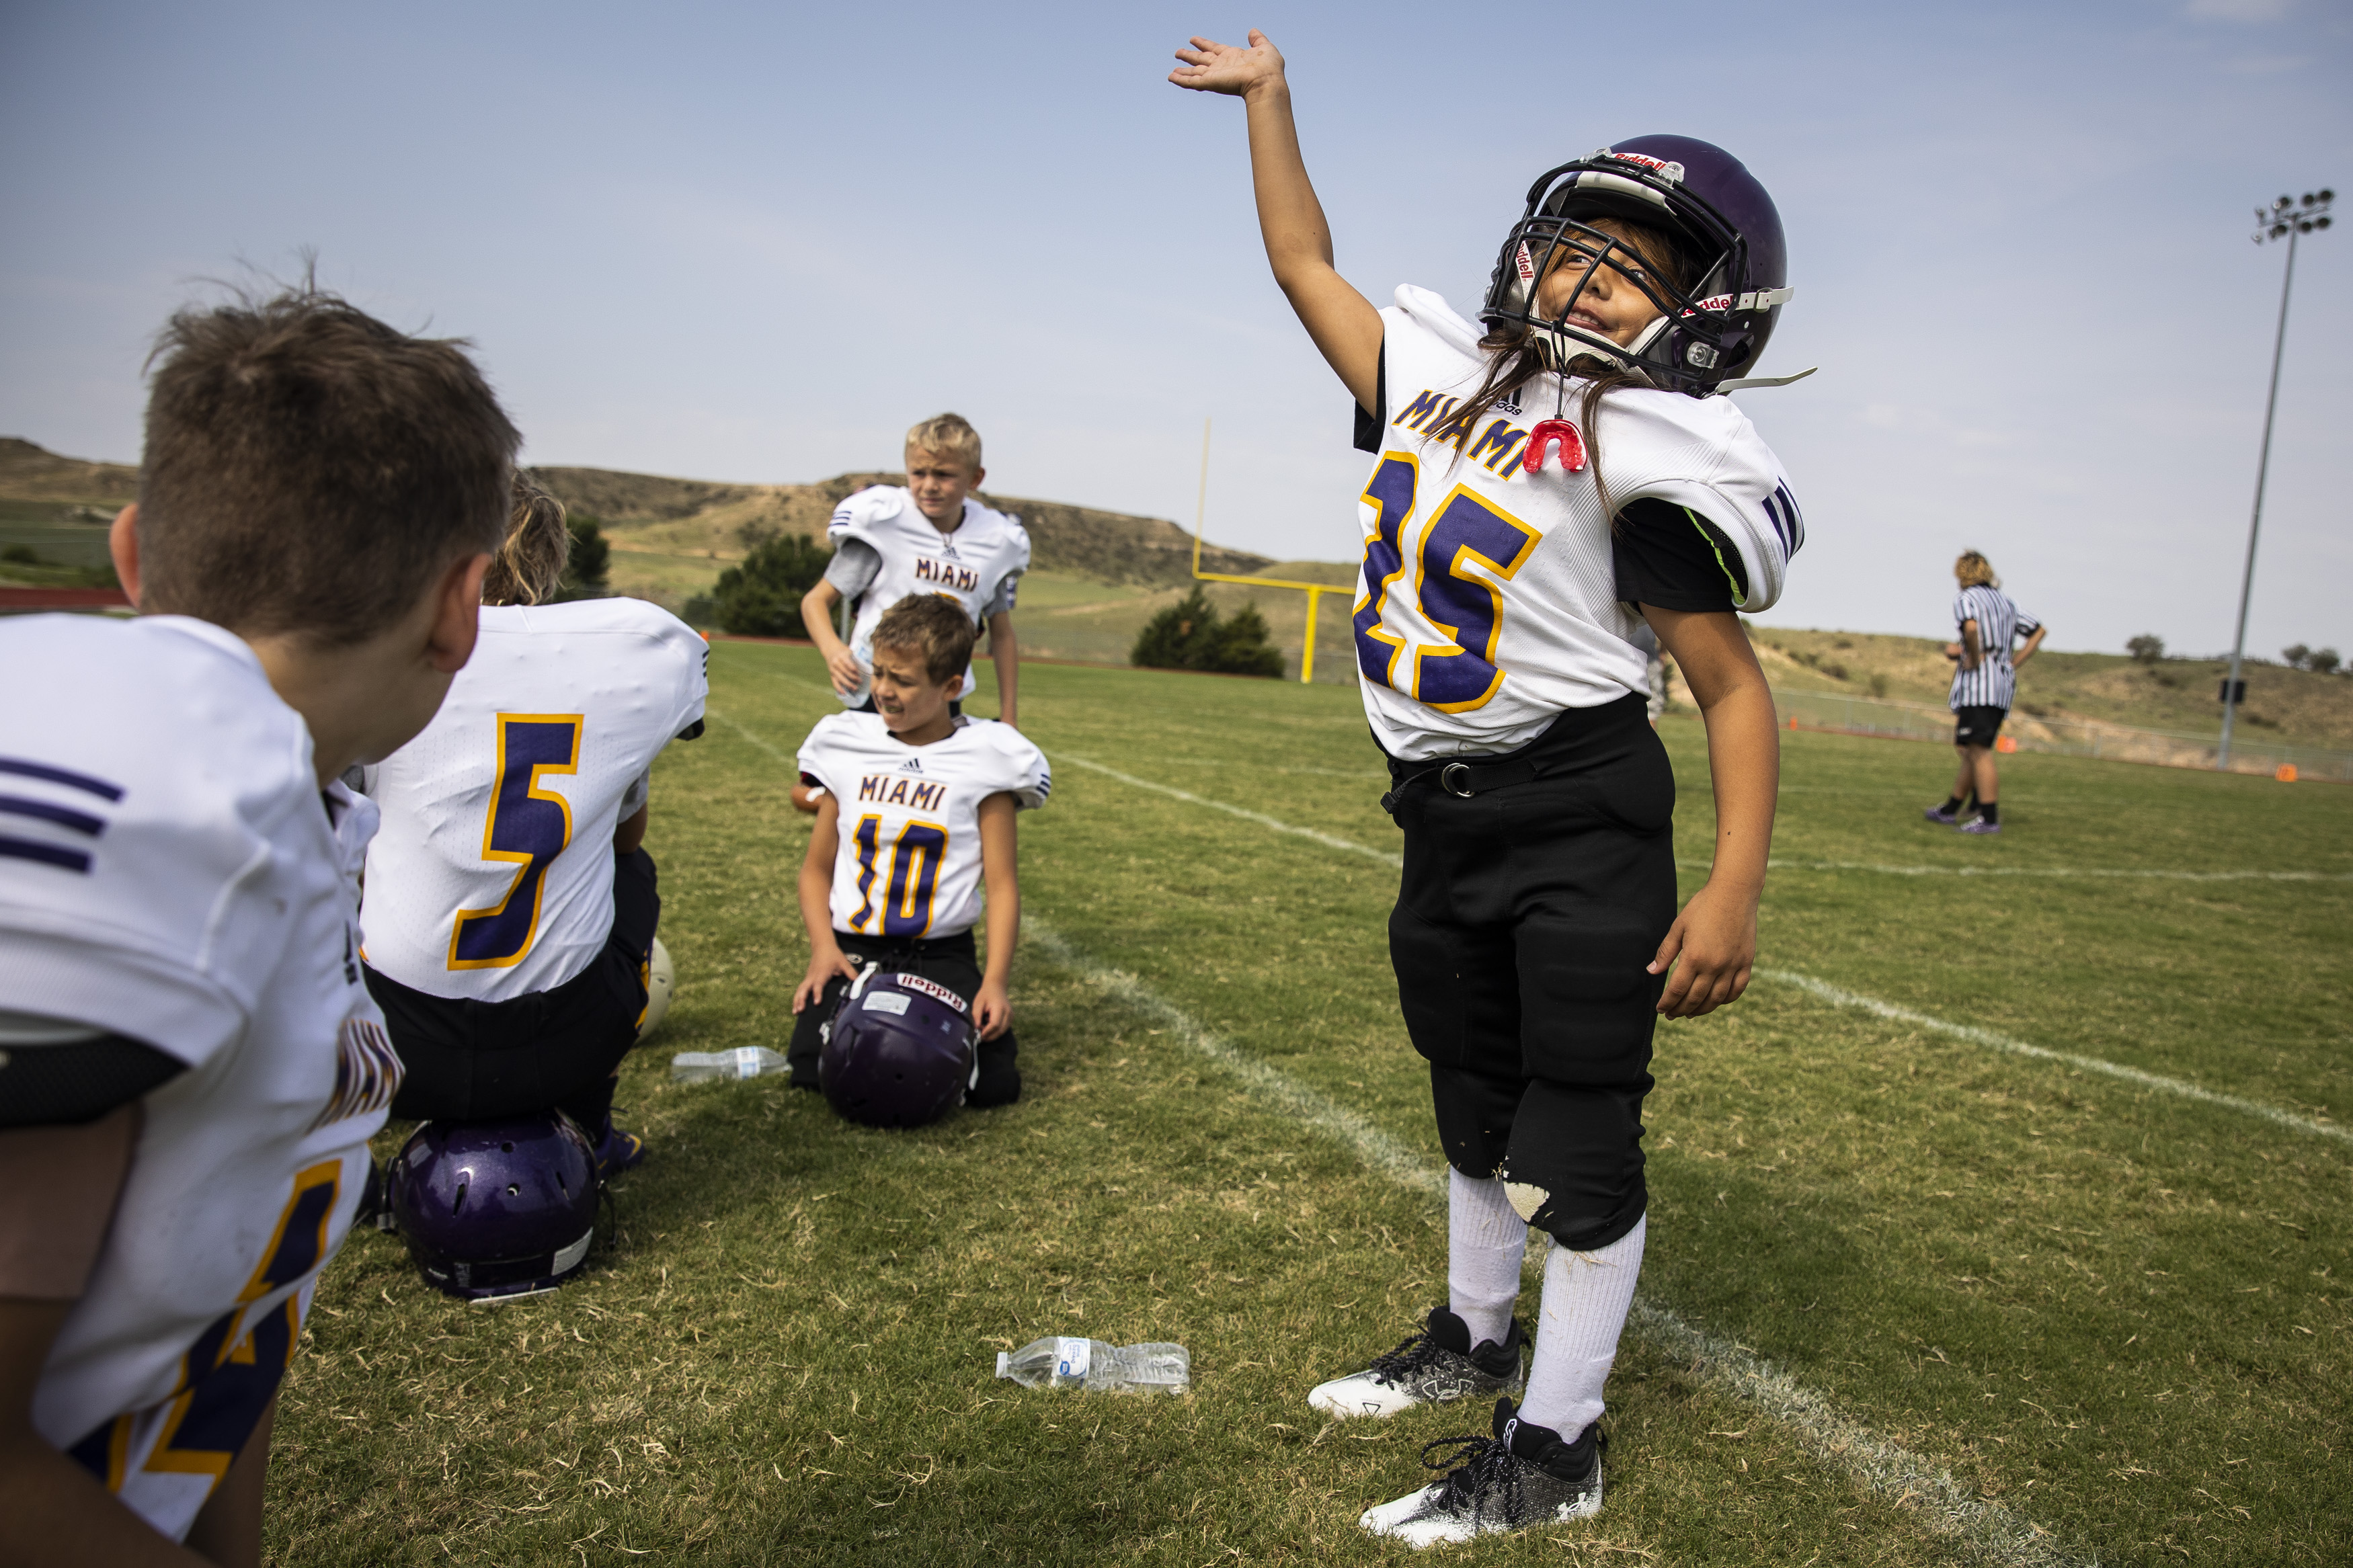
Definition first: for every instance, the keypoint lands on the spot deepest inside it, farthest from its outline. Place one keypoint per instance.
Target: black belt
(1464, 779)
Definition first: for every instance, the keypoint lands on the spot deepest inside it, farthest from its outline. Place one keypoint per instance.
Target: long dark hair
(1513, 360)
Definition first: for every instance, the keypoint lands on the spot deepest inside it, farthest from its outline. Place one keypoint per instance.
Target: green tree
(585, 570)
(1191, 634)
(761, 598)
(2146, 649)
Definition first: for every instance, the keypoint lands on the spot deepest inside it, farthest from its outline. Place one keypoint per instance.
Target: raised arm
(1346, 327)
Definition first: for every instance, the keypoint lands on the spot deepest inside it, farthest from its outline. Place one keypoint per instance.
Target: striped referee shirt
(1993, 683)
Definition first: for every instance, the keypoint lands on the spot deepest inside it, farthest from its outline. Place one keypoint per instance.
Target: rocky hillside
(30, 473)
(693, 518)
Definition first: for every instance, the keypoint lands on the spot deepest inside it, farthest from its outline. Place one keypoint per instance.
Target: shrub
(761, 598)
(20, 556)
(2146, 649)
(1190, 635)
(2323, 661)
(2295, 655)
(584, 571)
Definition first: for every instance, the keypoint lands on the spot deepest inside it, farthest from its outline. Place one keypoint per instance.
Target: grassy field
(1883, 1253)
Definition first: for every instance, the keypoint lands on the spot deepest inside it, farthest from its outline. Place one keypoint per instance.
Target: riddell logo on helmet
(1714, 302)
(1528, 267)
(1660, 165)
(931, 988)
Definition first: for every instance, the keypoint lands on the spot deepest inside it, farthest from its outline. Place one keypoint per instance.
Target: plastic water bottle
(745, 1061)
(1091, 1363)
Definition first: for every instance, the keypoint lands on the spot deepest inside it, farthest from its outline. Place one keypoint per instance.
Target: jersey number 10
(1459, 672)
(527, 825)
(915, 860)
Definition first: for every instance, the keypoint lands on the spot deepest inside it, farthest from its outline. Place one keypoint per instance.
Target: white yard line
(2119, 873)
(2000, 1042)
(790, 761)
(1924, 1489)
(1329, 841)
(1829, 992)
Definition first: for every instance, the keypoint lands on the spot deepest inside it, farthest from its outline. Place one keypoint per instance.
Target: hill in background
(1099, 575)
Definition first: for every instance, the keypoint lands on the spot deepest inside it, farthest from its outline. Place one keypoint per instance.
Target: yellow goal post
(1314, 590)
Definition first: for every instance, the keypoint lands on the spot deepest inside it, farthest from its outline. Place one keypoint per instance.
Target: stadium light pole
(2284, 219)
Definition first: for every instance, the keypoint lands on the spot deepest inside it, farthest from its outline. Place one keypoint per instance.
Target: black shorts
(954, 963)
(1526, 921)
(1976, 725)
(483, 1061)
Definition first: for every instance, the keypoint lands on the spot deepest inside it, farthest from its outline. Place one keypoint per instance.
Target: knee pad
(1573, 1165)
(1474, 1118)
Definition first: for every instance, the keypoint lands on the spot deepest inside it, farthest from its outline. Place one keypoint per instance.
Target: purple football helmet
(900, 1051)
(496, 1208)
(1724, 224)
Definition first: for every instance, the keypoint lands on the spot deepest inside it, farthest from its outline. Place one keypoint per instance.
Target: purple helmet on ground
(1724, 225)
(900, 1051)
(493, 1209)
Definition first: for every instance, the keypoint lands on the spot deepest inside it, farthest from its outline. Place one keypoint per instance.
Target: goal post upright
(1314, 590)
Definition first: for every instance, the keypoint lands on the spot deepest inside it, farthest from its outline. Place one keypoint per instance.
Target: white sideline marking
(1329, 841)
(2095, 871)
(1999, 1042)
(1940, 1503)
(792, 763)
(1845, 998)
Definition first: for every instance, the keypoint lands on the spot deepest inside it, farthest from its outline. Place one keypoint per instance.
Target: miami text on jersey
(915, 793)
(947, 573)
(1432, 414)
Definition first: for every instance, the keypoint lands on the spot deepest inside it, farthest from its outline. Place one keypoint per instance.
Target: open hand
(1716, 939)
(822, 968)
(1212, 67)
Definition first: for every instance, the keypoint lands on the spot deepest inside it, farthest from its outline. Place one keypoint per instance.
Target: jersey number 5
(1456, 671)
(915, 860)
(527, 825)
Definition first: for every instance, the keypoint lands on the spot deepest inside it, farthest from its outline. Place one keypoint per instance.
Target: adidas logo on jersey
(911, 765)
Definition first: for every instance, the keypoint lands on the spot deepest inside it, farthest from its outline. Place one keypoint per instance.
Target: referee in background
(1983, 689)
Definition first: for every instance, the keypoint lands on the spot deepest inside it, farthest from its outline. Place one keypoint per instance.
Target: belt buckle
(1446, 779)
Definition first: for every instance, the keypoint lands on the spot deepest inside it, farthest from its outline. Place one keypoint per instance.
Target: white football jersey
(969, 565)
(169, 871)
(909, 864)
(493, 875)
(1488, 604)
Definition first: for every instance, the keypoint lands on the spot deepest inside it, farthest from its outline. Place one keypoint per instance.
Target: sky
(755, 243)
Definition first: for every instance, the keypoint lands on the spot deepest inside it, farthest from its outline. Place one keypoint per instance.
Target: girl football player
(1543, 484)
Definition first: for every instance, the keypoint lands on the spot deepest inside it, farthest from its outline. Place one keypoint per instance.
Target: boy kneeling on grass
(930, 799)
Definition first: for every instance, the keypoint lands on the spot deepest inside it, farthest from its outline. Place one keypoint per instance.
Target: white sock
(1484, 1241)
(1585, 1296)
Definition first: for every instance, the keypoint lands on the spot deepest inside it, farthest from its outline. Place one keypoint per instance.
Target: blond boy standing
(926, 536)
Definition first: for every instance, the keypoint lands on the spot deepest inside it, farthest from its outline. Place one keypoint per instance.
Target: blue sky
(755, 243)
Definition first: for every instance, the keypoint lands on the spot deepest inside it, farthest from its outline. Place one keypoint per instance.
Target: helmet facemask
(1703, 333)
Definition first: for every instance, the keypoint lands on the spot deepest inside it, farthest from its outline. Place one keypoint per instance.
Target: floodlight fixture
(2289, 219)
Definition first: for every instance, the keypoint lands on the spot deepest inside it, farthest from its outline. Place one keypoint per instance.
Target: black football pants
(485, 1061)
(954, 963)
(1525, 919)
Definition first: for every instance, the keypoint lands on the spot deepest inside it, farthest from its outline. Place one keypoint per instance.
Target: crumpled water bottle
(1091, 1363)
(745, 1061)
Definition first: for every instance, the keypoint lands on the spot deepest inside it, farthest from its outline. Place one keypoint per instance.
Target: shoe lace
(1410, 1356)
(1475, 1465)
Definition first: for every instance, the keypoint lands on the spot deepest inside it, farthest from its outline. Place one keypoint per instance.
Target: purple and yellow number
(915, 858)
(528, 827)
(227, 1379)
(1390, 495)
(1468, 532)
(915, 875)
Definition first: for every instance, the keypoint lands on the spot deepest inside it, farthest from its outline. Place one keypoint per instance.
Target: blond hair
(529, 567)
(1975, 571)
(948, 436)
(933, 625)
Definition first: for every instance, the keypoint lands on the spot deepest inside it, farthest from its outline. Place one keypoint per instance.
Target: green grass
(2113, 1311)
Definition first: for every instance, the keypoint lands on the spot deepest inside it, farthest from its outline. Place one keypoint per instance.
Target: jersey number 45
(1456, 671)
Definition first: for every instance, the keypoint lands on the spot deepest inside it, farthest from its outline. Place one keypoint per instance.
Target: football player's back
(192, 1067)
